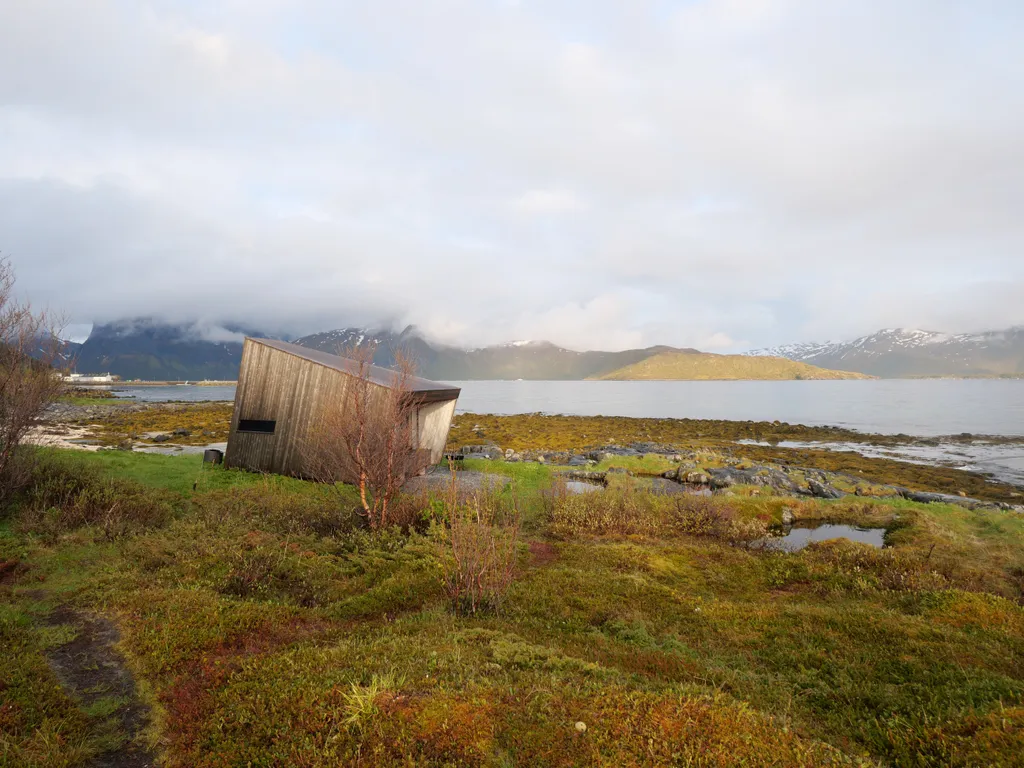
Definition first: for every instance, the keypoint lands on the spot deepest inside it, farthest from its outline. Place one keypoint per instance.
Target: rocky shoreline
(699, 455)
(708, 471)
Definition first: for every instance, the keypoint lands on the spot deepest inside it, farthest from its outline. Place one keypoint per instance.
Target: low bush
(480, 542)
(261, 568)
(64, 494)
(278, 510)
(623, 511)
(845, 566)
(629, 511)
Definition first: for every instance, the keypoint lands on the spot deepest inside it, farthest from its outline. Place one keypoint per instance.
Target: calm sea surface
(923, 407)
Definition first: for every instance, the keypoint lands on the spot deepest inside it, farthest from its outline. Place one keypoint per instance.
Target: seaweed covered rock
(726, 477)
(823, 490)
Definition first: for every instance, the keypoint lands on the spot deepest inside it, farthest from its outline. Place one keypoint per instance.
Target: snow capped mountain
(522, 359)
(894, 352)
(341, 338)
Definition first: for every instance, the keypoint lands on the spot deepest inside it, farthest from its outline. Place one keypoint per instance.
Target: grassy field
(265, 626)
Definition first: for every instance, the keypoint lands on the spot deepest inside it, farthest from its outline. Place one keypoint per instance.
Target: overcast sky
(722, 174)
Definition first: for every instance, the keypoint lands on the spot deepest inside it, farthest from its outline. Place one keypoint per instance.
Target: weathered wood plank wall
(295, 393)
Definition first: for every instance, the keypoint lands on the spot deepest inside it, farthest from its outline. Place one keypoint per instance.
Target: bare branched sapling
(369, 437)
(30, 377)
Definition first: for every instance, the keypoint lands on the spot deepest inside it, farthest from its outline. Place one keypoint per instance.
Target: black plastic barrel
(213, 456)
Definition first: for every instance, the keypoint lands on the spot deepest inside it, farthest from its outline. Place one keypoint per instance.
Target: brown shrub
(64, 494)
(277, 510)
(29, 380)
(630, 511)
(845, 565)
(368, 438)
(701, 516)
(481, 547)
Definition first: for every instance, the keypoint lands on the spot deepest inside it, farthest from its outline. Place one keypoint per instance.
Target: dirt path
(92, 672)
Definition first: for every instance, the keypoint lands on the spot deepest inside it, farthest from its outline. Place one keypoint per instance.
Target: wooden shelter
(284, 392)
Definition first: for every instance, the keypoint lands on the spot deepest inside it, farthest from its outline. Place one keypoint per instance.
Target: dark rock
(662, 487)
(948, 498)
(726, 477)
(162, 439)
(485, 451)
(613, 451)
(822, 490)
(181, 433)
(587, 477)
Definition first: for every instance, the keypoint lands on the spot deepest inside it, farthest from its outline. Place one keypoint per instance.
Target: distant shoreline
(950, 377)
(115, 384)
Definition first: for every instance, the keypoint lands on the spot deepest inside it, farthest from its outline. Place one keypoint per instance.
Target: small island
(705, 366)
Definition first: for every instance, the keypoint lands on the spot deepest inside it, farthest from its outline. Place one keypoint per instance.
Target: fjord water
(188, 393)
(920, 407)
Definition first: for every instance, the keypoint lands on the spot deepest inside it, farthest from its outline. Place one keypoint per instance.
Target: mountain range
(901, 352)
(152, 350)
(512, 360)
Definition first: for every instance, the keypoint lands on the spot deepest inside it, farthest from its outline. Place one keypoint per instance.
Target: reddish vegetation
(190, 699)
(9, 569)
(542, 553)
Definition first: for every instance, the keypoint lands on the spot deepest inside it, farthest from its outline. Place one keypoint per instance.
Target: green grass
(271, 630)
(73, 400)
(174, 473)
(528, 477)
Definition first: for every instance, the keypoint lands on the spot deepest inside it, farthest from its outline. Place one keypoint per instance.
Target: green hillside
(702, 366)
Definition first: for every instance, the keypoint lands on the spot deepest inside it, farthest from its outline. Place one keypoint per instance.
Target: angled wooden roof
(423, 389)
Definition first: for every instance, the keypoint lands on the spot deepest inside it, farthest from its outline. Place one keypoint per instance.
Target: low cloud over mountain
(711, 174)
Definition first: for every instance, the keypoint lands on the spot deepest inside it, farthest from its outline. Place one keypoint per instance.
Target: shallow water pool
(795, 539)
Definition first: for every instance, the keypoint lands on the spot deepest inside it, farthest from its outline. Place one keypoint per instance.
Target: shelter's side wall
(293, 392)
(297, 394)
(276, 386)
(252, 400)
(316, 388)
(435, 420)
(250, 451)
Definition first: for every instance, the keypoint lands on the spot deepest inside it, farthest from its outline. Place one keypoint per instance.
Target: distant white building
(91, 378)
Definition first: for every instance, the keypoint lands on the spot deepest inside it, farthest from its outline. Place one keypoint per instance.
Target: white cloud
(603, 175)
(548, 201)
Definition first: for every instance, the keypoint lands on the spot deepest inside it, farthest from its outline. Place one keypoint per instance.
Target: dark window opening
(263, 426)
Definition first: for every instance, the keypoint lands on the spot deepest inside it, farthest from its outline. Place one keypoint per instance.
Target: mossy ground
(209, 423)
(267, 627)
(86, 396)
(205, 423)
(718, 439)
